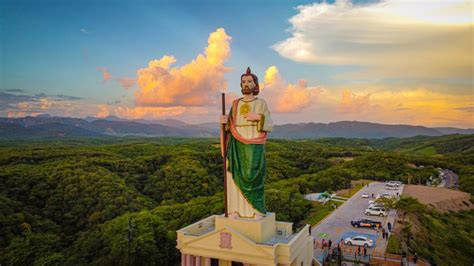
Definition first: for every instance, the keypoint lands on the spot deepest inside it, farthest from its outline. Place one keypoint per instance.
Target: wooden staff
(225, 157)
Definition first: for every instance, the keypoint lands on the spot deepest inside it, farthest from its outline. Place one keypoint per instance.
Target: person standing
(389, 225)
(329, 243)
(365, 251)
(383, 233)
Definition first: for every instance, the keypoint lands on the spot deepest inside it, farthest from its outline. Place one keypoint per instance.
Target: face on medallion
(247, 85)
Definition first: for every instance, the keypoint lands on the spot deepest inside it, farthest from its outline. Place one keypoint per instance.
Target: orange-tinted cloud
(14, 114)
(153, 113)
(103, 111)
(148, 112)
(284, 97)
(401, 104)
(352, 103)
(194, 84)
(126, 83)
(105, 73)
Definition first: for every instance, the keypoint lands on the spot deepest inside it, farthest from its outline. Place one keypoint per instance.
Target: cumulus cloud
(285, 97)
(193, 84)
(352, 103)
(391, 38)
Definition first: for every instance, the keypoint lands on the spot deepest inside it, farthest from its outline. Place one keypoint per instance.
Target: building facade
(218, 240)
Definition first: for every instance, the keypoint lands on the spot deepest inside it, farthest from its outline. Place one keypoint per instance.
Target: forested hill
(53, 127)
(69, 201)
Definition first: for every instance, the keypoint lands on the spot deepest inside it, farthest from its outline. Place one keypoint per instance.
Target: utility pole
(129, 238)
(408, 248)
(289, 204)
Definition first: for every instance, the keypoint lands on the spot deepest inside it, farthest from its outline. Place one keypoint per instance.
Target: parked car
(397, 183)
(365, 195)
(376, 211)
(384, 195)
(366, 223)
(391, 186)
(376, 205)
(359, 241)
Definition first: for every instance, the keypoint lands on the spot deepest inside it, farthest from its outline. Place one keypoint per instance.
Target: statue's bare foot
(258, 216)
(234, 216)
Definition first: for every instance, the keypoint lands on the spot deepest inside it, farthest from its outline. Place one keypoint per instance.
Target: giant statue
(244, 136)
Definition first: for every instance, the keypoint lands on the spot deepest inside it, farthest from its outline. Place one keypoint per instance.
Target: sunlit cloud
(21, 103)
(151, 113)
(390, 38)
(194, 84)
(15, 114)
(103, 111)
(126, 83)
(469, 109)
(286, 97)
(401, 105)
(105, 73)
(352, 103)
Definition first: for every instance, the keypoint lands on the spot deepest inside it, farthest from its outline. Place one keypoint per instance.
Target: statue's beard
(246, 90)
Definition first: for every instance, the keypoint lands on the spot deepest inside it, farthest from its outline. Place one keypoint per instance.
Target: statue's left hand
(253, 117)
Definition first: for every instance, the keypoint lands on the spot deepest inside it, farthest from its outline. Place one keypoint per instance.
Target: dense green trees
(435, 236)
(70, 202)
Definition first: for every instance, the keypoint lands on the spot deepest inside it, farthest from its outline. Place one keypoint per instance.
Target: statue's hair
(256, 90)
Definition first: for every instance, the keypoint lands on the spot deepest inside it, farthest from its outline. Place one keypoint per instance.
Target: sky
(388, 61)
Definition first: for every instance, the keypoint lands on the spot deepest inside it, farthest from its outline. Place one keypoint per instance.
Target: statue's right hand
(224, 119)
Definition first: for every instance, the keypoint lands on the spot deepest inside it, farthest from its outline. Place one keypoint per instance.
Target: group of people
(338, 250)
(359, 250)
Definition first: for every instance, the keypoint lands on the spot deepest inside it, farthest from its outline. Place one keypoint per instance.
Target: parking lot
(337, 225)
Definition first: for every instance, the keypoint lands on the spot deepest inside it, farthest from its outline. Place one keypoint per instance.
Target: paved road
(337, 225)
(450, 179)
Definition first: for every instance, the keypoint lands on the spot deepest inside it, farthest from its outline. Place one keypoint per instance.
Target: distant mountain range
(46, 126)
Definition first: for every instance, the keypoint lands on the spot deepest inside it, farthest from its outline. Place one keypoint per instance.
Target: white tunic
(237, 203)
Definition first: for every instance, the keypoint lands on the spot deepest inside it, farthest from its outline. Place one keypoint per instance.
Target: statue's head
(249, 83)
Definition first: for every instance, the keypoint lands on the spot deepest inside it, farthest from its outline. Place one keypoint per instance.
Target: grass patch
(319, 212)
(356, 186)
(427, 151)
(393, 246)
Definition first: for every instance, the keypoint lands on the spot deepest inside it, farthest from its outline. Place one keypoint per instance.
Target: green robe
(247, 165)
